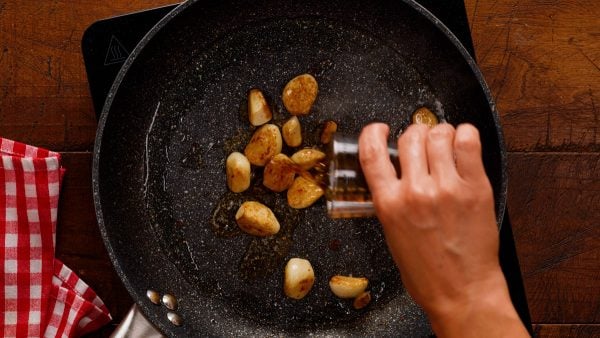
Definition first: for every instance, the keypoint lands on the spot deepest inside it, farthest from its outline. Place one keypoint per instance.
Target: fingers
(440, 152)
(374, 157)
(467, 149)
(413, 153)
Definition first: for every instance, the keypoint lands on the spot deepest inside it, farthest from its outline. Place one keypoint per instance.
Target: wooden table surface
(541, 59)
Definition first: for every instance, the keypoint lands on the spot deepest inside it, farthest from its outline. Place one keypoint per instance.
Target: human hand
(440, 226)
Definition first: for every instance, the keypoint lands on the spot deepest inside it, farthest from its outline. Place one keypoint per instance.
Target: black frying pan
(177, 109)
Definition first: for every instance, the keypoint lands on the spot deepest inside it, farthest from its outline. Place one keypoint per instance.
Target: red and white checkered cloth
(40, 295)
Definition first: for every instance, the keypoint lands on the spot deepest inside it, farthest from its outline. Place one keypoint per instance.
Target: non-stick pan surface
(176, 111)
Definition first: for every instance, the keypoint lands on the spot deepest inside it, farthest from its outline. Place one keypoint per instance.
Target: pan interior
(180, 110)
(361, 80)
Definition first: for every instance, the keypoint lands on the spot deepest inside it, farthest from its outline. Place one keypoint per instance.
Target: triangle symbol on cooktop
(116, 52)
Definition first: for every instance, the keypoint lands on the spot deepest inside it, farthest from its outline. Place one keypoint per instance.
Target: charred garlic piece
(264, 144)
(259, 111)
(298, 278)
(237, 167)
(347, 286)
(299, 94)
(257, 219)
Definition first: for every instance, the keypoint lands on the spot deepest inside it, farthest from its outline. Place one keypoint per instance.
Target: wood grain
(553, 203)
(44, 97)
(566, 331)
(541, 60)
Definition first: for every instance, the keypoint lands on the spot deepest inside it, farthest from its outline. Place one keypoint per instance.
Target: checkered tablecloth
(40, 296)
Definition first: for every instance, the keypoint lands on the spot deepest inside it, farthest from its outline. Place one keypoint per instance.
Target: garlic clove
(362, 300)
(298, 278)
(237, 168)
(257, 219)
(259, 111)
(279, 173)
(299, 94)
(347, 286)
(303, 193)
(424, 116)
(308, 158)
(292, 132)
(329, 128)
(265, 143)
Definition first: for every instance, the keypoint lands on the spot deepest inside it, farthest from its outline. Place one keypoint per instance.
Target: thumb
(375, 159)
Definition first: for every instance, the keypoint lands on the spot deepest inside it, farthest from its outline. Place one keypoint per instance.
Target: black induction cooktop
(106, 44)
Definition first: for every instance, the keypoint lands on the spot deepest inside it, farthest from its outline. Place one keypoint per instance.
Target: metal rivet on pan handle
(153, 296)
(170, 301)
(174, 318)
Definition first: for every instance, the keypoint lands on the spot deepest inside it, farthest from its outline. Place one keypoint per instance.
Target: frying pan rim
(163, 22)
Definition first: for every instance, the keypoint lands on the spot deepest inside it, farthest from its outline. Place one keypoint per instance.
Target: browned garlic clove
(292, 132)
(259, 111)
(308, 158)
(279, 173)
(424, 116)
(257, 219)
(298, 278)
(299, 94)
(347, 286)
(362, 300)
(329, 128)
(264, 144)
(303, 193)
(237, 167)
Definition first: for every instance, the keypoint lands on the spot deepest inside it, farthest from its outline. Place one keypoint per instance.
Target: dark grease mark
(223, 217)
(238, 141)
(311, 135)
(264, 255)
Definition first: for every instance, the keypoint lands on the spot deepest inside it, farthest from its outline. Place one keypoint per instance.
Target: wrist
(484, 310)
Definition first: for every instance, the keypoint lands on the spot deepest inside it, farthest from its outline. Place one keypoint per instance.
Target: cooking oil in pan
(263, 255)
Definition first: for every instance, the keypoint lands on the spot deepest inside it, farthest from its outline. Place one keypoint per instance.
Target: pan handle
(136, 325)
